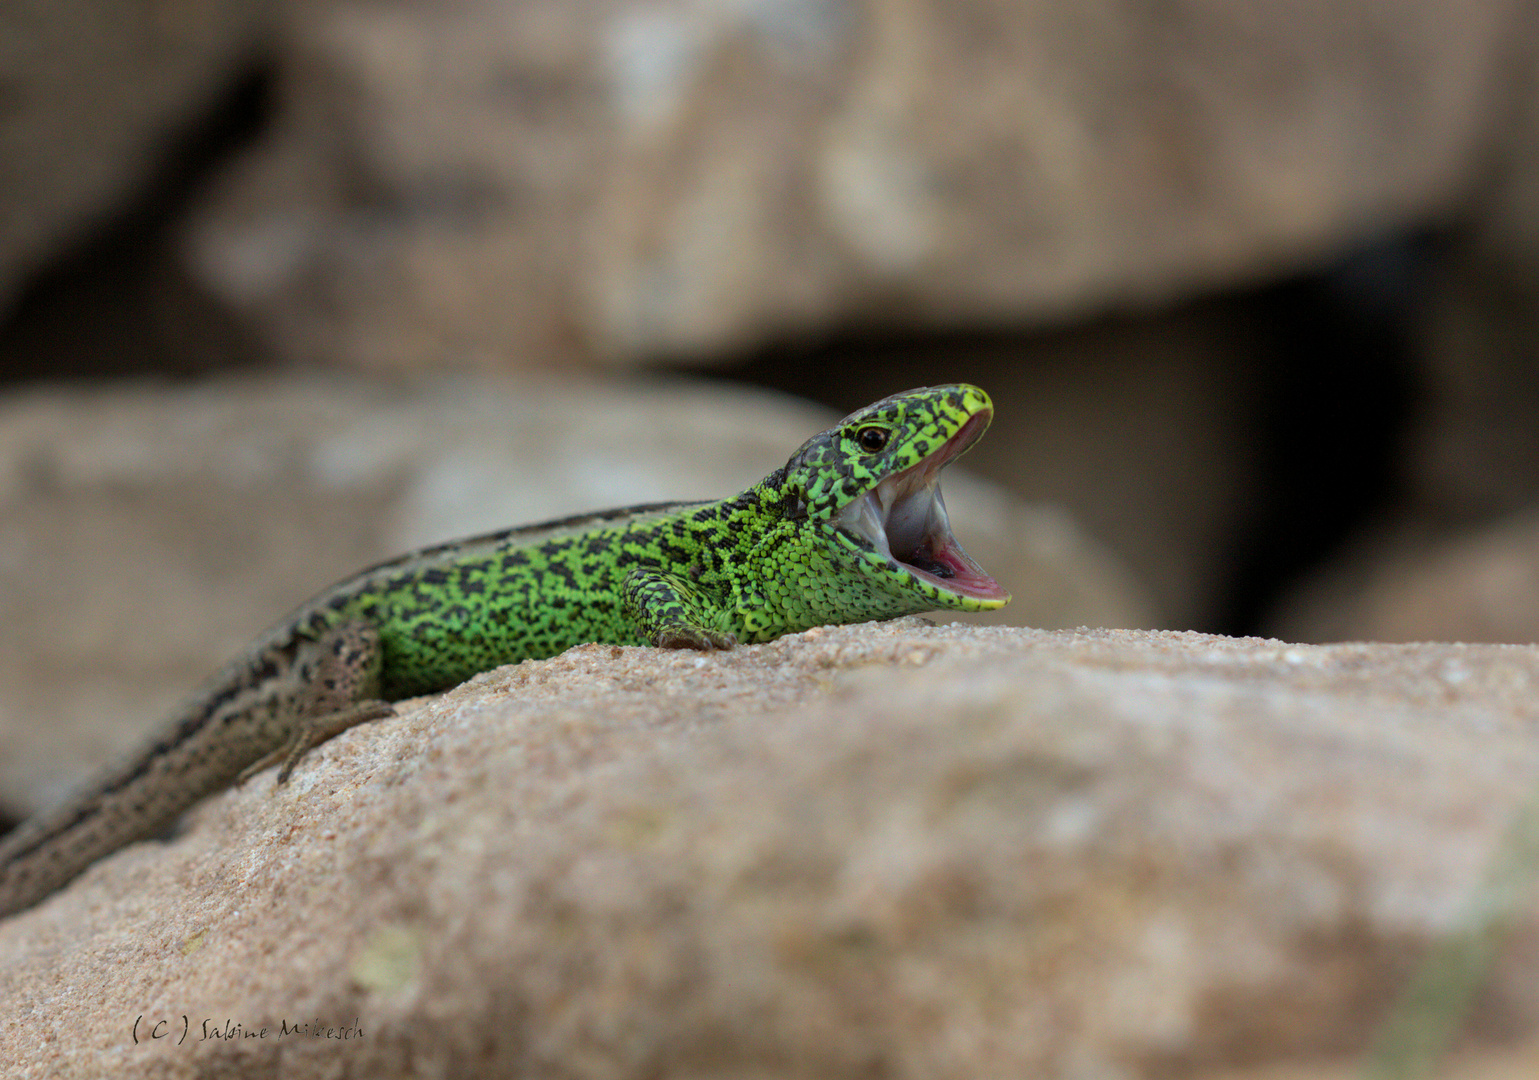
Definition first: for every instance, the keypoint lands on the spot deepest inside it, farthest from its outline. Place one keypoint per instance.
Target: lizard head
(874, 480)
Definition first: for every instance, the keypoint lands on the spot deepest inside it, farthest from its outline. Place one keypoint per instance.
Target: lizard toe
(693, 637)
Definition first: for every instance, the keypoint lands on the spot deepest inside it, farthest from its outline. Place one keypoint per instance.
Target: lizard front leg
(671, 612)
(338, 678)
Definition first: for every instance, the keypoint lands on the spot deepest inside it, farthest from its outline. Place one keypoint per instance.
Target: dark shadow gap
(1333, 419)
(1324, 387)
(119, 302)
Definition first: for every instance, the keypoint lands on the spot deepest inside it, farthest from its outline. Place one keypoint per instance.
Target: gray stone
(533, 183)
(1476, 584)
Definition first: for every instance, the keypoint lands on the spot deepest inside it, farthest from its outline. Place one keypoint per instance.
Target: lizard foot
(692, 637)
(312, 731)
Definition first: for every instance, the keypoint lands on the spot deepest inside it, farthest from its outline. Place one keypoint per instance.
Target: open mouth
(904, 519)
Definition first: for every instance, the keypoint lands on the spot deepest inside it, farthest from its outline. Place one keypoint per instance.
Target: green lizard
(851, 528)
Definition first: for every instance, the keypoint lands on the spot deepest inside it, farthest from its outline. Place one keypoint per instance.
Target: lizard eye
(872, 439)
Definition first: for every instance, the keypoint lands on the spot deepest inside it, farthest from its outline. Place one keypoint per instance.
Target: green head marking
(871, 485)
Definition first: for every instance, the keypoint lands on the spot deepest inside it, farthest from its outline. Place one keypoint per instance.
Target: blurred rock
(147, 533)
(894, 850)
(533, 183)
(1475, 455)
(1480, 585)
(91, 98)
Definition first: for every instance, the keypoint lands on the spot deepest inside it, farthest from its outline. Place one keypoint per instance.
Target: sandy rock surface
(892, 849)
(146, 534)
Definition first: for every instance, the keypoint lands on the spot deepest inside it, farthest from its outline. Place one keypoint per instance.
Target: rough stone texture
(92, 94)
(147, 533)
(1480, 585)
(521, 183)
(886, 850)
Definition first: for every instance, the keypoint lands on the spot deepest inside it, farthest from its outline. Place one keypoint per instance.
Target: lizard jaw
(904, 519)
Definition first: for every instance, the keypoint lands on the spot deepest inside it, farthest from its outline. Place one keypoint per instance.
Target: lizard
(852, 528)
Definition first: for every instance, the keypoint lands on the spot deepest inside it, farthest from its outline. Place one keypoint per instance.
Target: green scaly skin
(850, 529)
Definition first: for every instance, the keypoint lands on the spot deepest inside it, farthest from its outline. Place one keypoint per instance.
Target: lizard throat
(904, 519)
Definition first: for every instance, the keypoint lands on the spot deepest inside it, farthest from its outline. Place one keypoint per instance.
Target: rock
(894, 850)
(540, 183)
(1472, 453)
(93, 95)
(1479, 585)
(146, 534)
